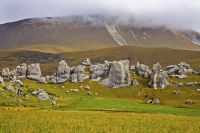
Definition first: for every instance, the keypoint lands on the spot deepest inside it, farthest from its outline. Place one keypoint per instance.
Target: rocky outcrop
(119, 75)
(62, 74)
(77, 74)
(142, 70)
(86, 62)
(158, 78)
(180, 69)
(34, 72)
(134, 83)
(99, 71)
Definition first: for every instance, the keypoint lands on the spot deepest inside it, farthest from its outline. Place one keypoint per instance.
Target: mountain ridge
(79, 33)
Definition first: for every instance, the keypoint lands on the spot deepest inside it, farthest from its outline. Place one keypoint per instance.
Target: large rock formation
(78, 74)
(119, 75)
(158, 78)
(34, 72)
(180, 69)
(142, 70)
(62, 74)
(99, 71)
(19, 72)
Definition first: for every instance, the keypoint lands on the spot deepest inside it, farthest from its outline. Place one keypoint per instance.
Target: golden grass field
(43, 121)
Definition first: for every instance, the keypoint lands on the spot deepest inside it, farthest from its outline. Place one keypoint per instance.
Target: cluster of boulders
(180, 70)
(65, 73)
(110, 74)
(154, 100)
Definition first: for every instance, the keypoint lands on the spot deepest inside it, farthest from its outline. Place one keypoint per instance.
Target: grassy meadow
(43, 121)
(123, 109)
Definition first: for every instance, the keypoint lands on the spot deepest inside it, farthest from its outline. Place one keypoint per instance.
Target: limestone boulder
(119, 75)
(158, 79)
(62, 74)
(6, 72)
(34, 72)
(142, 70)
(41, 94)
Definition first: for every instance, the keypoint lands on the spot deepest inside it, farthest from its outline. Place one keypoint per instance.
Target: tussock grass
(102, 122)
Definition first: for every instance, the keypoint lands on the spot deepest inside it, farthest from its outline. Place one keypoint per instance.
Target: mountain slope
(79, 33)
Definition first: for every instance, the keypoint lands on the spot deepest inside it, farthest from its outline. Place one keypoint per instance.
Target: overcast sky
(174, 13)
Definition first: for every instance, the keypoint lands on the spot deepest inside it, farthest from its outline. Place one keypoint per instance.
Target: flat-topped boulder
(119, 75)
(158, 78)
(62, 74)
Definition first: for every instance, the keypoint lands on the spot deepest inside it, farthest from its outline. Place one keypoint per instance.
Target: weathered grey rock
(132, 67)
(42, 79)
(6, 72)
(189, 101)
(18, 82)
(36, 92)
(99, 70)
(62, 74)
(184, 65)
(155, 100)
(193, 84)
(18, 91)
(142, 70)
(86, 62)
(172, 69)
(74, 78)
(180, 84)
(1, 81)
(20, 71)
(10, 88)
(34, 72)
(119, 75)
(176, 92)
(42, 95)
(158, 80)
(87, 87)
(89, 93)
(135, 83)
(198, 90)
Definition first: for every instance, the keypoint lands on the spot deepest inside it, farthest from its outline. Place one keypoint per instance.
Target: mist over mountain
(179, 14)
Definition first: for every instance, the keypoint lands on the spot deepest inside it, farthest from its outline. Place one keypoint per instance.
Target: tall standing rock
(33, 71)
(119, 75)
(62, 74)
(158, 78)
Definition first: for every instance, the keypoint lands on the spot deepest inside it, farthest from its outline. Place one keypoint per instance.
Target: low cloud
(181, 14)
